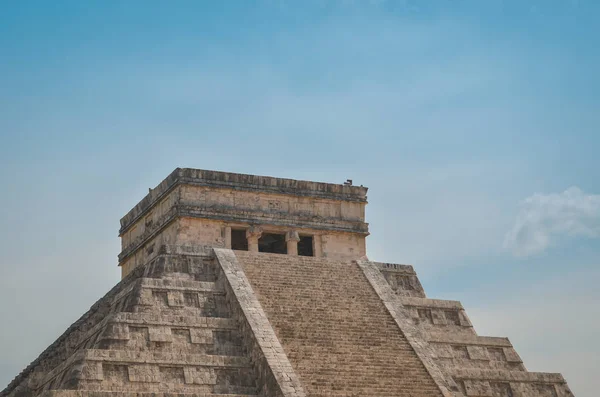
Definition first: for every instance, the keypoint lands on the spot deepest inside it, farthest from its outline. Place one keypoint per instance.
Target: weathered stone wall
(342, 246)
(204, 231)
(242, 182)
(402, 278)
(169, 235)
(265, 202)
(201, 207)
(154, 218)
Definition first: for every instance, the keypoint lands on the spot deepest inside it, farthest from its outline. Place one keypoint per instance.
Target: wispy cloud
(546, 218)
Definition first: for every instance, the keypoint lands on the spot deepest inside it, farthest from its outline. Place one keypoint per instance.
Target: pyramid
(241, 285)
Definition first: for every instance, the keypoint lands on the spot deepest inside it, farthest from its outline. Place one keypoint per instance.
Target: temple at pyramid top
(245, 212)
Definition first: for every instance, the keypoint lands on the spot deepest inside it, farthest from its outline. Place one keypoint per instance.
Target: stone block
(438, 317)
(444, 351)
(160, 334)
(175, 299)
(116, 331)
(144, 373)
(92, 370)
(200, 375)
(202, 336)
(145, 297)
(522, 389)
(412, 311)
(477, 388)
(501, 389)
(478, 353)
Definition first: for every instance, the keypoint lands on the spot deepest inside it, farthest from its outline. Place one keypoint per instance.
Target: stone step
(500, 375)
(469, 351)
(481, 382)
(206, 336)
(468, 363)
(162, 358)
(84, 393)
(118, 370)
(465, 339)
(402, 278)
(435, 313)
(174, 284)
(90, 361)
(178, 297)
(173, 320)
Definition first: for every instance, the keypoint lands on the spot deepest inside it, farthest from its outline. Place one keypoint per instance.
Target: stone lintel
(230, 215)
(233, 215)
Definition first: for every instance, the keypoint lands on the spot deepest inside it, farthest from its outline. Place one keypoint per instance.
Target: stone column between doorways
(252, 235)
(292, 239)
(228, 237)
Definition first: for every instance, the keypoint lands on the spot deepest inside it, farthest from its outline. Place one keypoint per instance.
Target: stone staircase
(337, 333)
(165, 329)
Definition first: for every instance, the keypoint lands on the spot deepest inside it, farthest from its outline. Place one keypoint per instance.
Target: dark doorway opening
(238, 240)
(305, 246)
(274, 243)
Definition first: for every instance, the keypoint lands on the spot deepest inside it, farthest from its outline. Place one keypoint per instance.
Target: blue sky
(475, 124)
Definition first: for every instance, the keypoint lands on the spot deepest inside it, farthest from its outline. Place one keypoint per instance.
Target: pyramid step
(142, 371)
(91, 362)
(180, 284)
(188, 334)
(163, 358)
(464, 339)
(473, 351)
(437, 312)
(179, 297)
(85, 393)
(173, 320)
(516, 376)
(501, 382)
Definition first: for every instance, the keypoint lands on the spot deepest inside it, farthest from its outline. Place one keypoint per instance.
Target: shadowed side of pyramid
(166, 328)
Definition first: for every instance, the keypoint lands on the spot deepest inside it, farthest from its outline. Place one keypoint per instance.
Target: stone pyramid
(240, 285)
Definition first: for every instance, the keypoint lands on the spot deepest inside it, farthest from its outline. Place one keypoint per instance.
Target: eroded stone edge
(262, 333)
(402, 318)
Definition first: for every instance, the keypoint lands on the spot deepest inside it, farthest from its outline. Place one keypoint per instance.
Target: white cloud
(545, 218)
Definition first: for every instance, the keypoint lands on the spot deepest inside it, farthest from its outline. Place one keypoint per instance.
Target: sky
(475, 125)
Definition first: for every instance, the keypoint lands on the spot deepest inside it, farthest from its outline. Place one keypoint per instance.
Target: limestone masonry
(240, 285)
